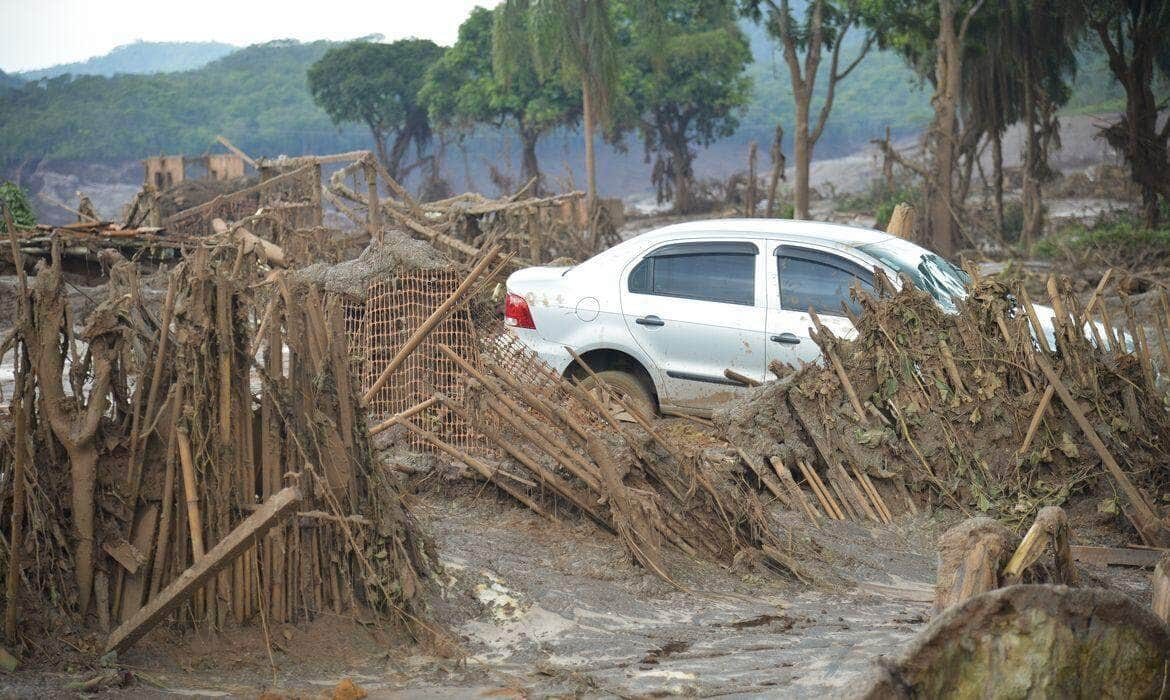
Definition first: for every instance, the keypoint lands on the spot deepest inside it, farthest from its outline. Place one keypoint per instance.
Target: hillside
(9, 82)
(258, 97)
(141, 57)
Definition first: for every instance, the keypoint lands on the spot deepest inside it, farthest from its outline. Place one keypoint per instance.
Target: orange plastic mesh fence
(394, 309)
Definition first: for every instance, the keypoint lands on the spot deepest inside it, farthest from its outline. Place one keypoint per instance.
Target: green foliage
(16, 201)
(463, 89)
(9, 82)
(257, 97)
(1118, 238)
(377, 85)
(569, 40)
(683, 83)
(141, 57)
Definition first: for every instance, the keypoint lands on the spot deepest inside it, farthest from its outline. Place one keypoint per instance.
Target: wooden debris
(1160, 588)
(221, 555)
(1143, 557)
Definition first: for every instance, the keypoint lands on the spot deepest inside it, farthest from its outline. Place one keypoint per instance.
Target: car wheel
(622, 391)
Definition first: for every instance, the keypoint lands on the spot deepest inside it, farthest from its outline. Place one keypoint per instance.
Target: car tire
(626, 385)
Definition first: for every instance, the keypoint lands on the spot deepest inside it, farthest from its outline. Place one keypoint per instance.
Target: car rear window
(719, 272)
(818, 280)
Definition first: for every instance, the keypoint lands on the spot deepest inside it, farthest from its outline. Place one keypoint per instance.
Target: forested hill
(8, 82)
(258, 97)
(141, 57)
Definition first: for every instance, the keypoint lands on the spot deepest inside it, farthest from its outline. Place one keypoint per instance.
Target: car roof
(747, 228)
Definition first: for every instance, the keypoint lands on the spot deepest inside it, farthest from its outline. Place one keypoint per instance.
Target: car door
(697, 308)
(801, 276)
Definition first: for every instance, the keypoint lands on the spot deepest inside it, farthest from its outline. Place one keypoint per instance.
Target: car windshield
(927, 271)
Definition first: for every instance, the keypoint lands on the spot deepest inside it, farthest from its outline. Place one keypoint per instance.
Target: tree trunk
(529, 166)
(83, 464)
(397, 153)
(802, 154)
(942, 228)
(681, 176)
(1031, 183)
(380, 148)
(590, 164)
(997, 179)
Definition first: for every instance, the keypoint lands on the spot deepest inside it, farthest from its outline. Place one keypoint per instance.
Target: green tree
(462, 89)
(571, 39)
(15, 200)
(822, 27)
(377, 85)
(683, 83)
(1134, 36)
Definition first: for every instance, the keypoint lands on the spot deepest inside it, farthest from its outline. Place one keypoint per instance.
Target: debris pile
(534, 230)
(980, 407)
(213, 462)
(554, 444)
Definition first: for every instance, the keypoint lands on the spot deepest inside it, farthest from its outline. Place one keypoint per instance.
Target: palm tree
(572, 39)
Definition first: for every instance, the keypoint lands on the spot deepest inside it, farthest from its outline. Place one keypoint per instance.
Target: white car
(660, 317)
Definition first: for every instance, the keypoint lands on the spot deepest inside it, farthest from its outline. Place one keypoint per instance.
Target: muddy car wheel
(621, 388)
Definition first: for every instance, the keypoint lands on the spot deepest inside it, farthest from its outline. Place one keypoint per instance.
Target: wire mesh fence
(392, 311)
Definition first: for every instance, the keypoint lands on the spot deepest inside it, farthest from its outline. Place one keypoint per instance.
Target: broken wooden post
(374, 213)
(222, 554)
(1051, 526)
(1160, 587)
(901, 222)
(970, 556)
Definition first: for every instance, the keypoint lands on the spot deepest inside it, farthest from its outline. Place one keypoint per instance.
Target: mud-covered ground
(542, 608)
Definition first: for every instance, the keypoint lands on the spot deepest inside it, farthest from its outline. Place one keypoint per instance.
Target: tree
(377, 85)
(1134, 35)
(462, 89)
(823, 26)
(16, 201)
(920, 31)
(684, 82)
(571, 39)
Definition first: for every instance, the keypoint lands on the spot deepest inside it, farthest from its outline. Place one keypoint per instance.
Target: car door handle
(650, 321)
(786, 338)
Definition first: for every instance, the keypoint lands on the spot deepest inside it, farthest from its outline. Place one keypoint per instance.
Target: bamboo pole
(21, 409)
(1036, 418)
(193, 519)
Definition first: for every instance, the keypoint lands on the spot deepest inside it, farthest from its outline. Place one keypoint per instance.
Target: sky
(40, 33)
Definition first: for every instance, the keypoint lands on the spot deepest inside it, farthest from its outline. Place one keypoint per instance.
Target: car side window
(719, 272)
(819, 280)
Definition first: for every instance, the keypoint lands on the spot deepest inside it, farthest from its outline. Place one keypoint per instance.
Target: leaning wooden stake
(20, 460)
(1143, 517)
(222, 554)
(825, 340)
(430, 324)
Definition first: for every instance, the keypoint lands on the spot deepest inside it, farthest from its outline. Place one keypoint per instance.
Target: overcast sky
(41, 33)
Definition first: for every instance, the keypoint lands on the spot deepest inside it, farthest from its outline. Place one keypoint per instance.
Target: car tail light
(516, 312)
